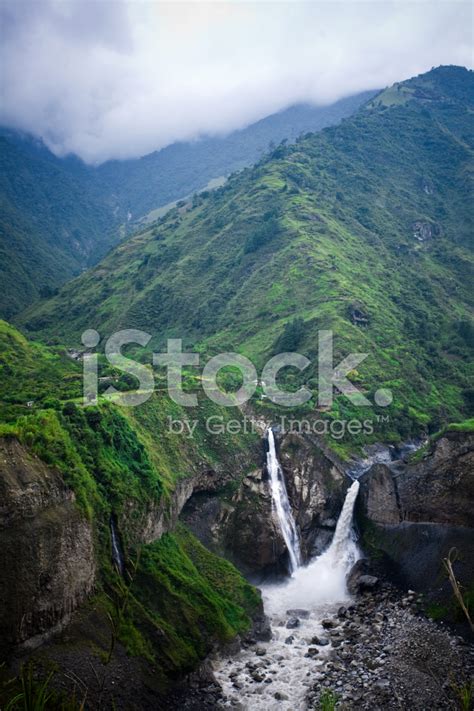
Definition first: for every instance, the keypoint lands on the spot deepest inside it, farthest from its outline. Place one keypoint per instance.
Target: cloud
(115, 79)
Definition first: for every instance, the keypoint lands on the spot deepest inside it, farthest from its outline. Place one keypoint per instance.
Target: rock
(47, 549)
(257, 677)
(328, 624)
(244, 530)
(312, 652)
(279, 696)
(289, 640)
(320, 641)
(292, 623)
(303, 614)
(361, 567)
(358, 314)
(342, 612)
(415, 512)
(260, 651)
(367, 582)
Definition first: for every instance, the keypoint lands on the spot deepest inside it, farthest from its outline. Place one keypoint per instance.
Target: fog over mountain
(118, 80)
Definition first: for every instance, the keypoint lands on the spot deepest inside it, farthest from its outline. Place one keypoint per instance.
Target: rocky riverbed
(386, 655)
(378, 651)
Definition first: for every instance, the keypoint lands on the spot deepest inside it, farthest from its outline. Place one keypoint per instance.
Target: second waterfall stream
(282, 673)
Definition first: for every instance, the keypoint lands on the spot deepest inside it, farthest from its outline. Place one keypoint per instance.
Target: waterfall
(343, 552)
(281, 504)
(316, 590)
(117, 556)
(323, 581)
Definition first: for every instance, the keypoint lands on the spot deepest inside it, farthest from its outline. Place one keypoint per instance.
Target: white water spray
(323, 581)
(281, 505)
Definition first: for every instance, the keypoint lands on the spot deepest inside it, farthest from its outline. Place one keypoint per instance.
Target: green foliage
(32, 690)
(465, 694)
(30, 373)
(327, 700)
(53, 221)
(181, 169)
(60, 216)
(34, 695)
(43, 433)
(192, 596)
(176, 599)
(291, 337)
(266, 232)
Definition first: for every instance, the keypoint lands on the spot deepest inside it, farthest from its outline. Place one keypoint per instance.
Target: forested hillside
(53, 222)
(364, 229)
(182, 168)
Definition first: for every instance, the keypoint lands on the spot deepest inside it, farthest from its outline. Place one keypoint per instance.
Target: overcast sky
(114, 79)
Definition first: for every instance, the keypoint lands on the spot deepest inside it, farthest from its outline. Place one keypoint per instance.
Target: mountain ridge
(60, 216)
(364, 229)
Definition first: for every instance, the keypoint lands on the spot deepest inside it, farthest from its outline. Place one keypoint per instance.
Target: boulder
(297, 612)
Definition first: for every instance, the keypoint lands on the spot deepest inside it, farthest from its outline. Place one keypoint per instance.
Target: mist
(120, 79)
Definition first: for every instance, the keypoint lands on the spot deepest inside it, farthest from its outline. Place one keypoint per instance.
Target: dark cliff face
(317, 487)
(52, 557)
(412, 514)
(46, 549)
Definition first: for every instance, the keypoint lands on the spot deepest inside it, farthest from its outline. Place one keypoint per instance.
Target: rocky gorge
(352, 644)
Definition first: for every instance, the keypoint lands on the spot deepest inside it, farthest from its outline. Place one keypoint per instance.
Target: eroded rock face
(316, 486)
(47, 565)
(415, 513)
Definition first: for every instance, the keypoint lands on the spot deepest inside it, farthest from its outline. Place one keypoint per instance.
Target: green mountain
(59, 216)
(53, 223)
(364, 229)
(180, 169)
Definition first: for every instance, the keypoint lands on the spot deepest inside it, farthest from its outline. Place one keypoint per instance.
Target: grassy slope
(59, 216)
(313, 231)
(161, 177)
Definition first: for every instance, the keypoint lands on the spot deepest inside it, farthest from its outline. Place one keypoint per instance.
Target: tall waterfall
(281, 504)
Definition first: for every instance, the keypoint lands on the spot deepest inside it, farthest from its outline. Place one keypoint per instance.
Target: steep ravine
(376, 650)
(239, 523)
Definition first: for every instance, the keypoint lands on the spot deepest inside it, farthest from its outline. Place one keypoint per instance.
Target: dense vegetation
(53, 221)
(60, 216)
(176, 599)
(364, 229)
